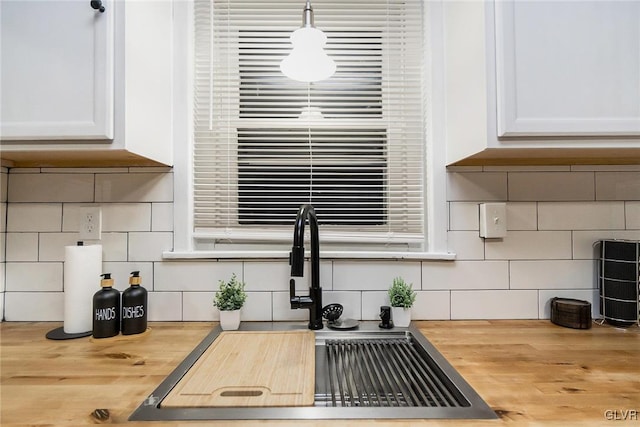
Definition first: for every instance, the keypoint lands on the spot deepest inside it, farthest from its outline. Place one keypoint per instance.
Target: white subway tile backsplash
(266, 276)
(484, 304)
(51, 246)
(632, 215)
(618, 185)
(258, 307)
(464, 216)
(34, 276)
(150, 169)
(581, 216)
(530, 245)
(3, 285)
(3, 217)
(34, 306)
(477, 186)
(3, 186)
(84, 170)
(464, 169)
(71, 216)
(554, 215)
(134, 187)
(115, 216)
(583, 241)
(193, 275)
(149, 246)
(162, 217)
(552, 274)
(606, 168)
(351, 303)
(465, 244)
(429, 305)
(551, 186)
(114, 246)
(120, 272)
(165, 306)
(22, 247)
(432, 305)
(522, 216)
(126, 216)
(50, 187)
(373, 276)
(527, 168)
(34, 217)
(282, 309)
(371, 303)
(198, 307)
(25, 170)
(275, 275)
(444, 275)
(590, 295)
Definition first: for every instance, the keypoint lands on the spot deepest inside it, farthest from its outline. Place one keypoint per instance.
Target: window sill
(271, 255)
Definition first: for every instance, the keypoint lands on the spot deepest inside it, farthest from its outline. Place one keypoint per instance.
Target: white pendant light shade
(308, 62)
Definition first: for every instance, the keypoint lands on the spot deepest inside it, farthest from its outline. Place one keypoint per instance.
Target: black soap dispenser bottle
(134, 306)
(106, 309)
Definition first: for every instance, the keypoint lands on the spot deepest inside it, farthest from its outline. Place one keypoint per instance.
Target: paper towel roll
(82, 269)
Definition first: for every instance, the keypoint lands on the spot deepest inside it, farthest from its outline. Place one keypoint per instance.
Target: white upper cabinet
(568, 67)
(57, 70)
(80, 87)
(537, 82)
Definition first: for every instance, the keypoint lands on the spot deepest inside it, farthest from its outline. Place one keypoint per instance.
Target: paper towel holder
(60, 334)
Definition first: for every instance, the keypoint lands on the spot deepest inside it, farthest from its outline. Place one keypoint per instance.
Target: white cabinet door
(56, 70)
(568, 67)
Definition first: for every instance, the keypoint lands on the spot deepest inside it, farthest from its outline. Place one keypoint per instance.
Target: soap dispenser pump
(106, 309)
(134, 306)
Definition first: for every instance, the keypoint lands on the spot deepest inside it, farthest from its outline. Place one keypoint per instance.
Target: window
(352, 145)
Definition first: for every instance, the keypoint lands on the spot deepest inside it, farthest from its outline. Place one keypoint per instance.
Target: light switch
(493, 220)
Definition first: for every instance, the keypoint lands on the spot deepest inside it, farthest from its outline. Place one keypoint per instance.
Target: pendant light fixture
(308, 62)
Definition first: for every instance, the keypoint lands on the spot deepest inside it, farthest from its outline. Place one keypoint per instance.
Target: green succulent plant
(401, 294)
(230, 295)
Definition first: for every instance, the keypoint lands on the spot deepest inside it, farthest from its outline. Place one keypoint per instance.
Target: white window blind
(352, 145)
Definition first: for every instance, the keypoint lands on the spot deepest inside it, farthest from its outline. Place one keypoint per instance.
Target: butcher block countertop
(530, 372)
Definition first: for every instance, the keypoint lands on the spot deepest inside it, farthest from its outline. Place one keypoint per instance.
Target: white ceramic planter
(230, 320)
(401, 316)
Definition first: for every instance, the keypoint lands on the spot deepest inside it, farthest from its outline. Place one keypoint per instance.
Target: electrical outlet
(90, 223)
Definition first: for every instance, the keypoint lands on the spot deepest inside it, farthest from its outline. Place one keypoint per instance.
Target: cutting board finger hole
(241, 393)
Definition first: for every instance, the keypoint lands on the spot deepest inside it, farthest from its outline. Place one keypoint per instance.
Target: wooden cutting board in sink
(250, 369)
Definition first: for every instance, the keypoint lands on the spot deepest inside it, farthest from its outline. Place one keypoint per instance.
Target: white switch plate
(90, 223)
(493, 220)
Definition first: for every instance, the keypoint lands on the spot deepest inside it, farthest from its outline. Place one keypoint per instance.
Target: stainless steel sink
(368, 373)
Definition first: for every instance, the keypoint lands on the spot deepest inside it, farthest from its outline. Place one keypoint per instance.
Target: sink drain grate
(384, 373)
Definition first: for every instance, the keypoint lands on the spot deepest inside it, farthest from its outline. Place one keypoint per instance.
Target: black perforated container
(618, 281)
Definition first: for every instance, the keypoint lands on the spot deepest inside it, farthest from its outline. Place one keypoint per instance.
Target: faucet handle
(296, 261)
(293, 299)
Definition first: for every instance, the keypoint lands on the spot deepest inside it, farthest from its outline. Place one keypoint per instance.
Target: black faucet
(313, 301)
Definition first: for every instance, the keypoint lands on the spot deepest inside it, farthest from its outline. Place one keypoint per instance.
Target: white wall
(554, 216)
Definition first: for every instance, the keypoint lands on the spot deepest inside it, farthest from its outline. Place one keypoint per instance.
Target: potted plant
(229, 299)
(401, 298)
